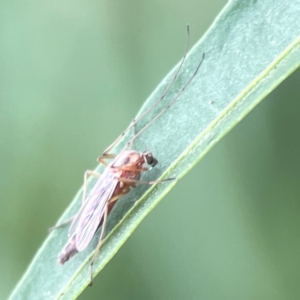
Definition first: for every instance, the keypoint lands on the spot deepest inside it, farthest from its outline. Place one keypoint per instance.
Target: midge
(120, 175)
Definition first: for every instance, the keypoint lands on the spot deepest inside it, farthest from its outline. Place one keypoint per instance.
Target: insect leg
(125, 191)
(133, 124)
(171, 102)
(104, 156)
(131, 169)
(158, 100)
(127, 180)
(61, 224)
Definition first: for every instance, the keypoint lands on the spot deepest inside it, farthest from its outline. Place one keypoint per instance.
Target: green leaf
(251, 47)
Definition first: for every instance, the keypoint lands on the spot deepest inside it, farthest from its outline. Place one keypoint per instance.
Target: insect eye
(150, 159)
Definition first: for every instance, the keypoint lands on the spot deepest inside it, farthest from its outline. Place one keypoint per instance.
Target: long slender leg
(127, 180)
(157, 101)
(125, 191)
(133, 124)
(113, 199)
(131, 169)
(61, 224)
(170, 103)
(107, 155)
(104, 156)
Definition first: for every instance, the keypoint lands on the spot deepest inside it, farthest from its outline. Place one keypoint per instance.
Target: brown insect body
(122, 174)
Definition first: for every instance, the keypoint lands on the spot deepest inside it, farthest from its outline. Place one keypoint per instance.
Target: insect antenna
(170, 103)
(158, 100)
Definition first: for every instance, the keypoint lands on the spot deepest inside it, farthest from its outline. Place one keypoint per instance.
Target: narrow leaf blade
(250, 49)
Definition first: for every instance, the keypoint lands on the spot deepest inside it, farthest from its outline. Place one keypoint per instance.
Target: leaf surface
(250, 48)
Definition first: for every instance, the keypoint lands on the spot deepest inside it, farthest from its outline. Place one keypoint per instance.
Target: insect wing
(88, 219)
(91, 216)
(91, 202)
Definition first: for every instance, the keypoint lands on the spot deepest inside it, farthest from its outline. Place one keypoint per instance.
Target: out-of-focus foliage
(243, 201)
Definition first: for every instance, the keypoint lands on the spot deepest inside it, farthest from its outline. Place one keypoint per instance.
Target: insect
(119, 177)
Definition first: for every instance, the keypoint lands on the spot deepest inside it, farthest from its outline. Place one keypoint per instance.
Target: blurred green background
(73, 75)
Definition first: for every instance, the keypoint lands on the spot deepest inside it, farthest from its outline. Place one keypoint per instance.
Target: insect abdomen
(67, 252)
